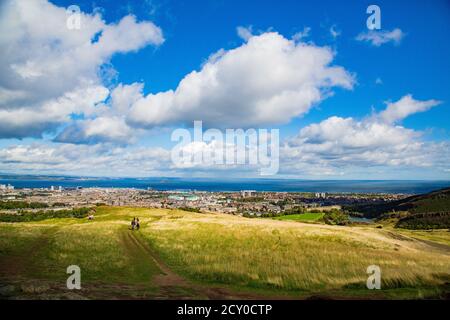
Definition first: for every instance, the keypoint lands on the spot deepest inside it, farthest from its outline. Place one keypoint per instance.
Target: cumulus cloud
(376, 140)
(397, 111)
(124, 96)
(107, 160)
(113, 160)
(299, 36)
(109, 123)
(26, 121)
(43, 63)
(378, 37)
(245, 33)
(55, 79)
(267, 80)
(334, 147)
(100, 129)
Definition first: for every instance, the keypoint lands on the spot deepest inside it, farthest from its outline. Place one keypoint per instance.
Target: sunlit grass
(290, 255)
(97, 247)
(436, 235)
(217, 249)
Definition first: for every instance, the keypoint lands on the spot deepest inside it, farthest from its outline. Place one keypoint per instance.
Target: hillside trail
(136, 246)
(427, 244)
(19, 270)
(171, 284)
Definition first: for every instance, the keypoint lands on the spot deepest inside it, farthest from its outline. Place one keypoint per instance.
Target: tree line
(26, 216)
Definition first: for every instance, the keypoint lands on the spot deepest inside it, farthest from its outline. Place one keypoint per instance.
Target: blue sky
(195, 29)
(413, 63)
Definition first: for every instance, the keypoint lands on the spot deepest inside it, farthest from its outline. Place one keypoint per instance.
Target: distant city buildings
(245, 202)
(247, 193)
(322, 195)
(183, 197)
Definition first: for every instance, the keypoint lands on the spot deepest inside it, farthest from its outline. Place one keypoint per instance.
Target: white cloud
(124, 96)
(43, 63)
(377, 38)
(299, 36)
(49, 73)
(245, 33)
(335, 147)
(100, 129)
(109, 125)
(268, 80)
(336, 143)
(107, 160)
(112, 160)
(25, 121)
(348, 133)
(397, 111)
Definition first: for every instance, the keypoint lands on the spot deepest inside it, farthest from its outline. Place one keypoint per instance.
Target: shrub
(22, 205)
(190, 209)
(336, 217)
(435, 220)
(25, 216)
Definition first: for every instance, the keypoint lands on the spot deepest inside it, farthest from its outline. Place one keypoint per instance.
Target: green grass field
(179, 254)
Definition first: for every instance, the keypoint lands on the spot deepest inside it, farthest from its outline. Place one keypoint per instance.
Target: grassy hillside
(179, 254)
(429, 220)
(436, 201)
(426, 211)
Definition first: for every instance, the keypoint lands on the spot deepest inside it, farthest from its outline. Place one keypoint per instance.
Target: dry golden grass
(261, 254)
(292, 255)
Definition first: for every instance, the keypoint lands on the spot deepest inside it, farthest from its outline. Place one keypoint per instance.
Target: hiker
(133, 223)
(138, 225)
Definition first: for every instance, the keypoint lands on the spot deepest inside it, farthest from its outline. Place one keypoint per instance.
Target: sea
(209, 184)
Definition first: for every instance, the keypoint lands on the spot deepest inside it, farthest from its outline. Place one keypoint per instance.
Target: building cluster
(320, 195)
(6, 187)
(242, 202)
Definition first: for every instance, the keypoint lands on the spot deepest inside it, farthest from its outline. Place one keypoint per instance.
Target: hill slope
(179, 254)
(433, 202)
(425, 211)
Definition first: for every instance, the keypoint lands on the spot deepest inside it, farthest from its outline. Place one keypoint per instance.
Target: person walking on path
(138, 225)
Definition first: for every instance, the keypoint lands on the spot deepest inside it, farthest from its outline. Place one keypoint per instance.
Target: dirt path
(436, 245)
(17, 275)
(173, 286)
(136, 246)
(439, 247)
